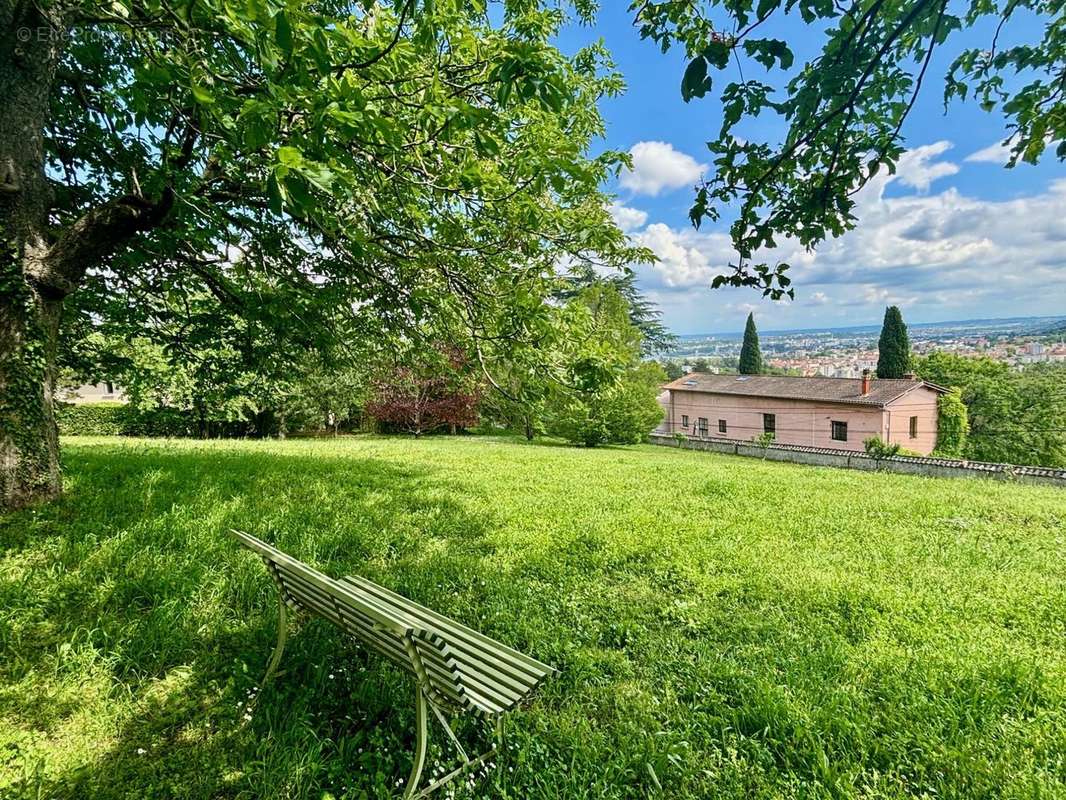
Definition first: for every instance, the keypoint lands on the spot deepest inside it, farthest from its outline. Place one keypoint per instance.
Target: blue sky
(954, 235)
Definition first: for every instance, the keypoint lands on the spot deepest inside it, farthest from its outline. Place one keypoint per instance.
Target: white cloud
(628, 219)
(686, 259)
(658, 166)
(934, 254)
(917, 169)
(997, 153)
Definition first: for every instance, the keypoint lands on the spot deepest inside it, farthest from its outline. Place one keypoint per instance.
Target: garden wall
(825, 457)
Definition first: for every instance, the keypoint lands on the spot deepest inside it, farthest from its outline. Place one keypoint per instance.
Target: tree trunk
(529, 428)
(38, 267)
(30, 304)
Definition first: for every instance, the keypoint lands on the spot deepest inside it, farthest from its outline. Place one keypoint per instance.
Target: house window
(721, 426)
(840, 431)
(684, 420)
(914, 427)
(703, 426)
(110, 387)
(769, 423)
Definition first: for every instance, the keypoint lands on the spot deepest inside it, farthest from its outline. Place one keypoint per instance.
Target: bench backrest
(386, 630)
(456, 665)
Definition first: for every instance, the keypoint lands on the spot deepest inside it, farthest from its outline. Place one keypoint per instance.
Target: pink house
(819, 412)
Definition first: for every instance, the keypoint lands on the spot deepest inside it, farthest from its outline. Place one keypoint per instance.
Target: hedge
(91, 419)
(119, 419)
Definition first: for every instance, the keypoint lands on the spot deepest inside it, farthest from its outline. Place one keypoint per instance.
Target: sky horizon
(952, 235)
(920, 323)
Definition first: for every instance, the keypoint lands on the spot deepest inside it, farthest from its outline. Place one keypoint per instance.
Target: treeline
(580, 375)
(1015, 416)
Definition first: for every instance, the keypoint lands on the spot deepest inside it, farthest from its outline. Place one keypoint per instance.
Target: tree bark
(30, 311)
(39, 267)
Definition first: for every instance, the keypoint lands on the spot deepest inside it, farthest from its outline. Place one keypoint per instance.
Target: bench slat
(441, 673)
(466, 638)
(510, 681)
(287, 564)
(495, 679)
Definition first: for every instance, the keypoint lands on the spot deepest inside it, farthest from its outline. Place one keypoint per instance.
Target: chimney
(865, 382)
(910, 376)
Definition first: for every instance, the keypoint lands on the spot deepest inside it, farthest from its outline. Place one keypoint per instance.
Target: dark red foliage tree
(434, 393)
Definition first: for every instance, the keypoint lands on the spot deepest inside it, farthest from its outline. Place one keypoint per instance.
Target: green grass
(724, 627)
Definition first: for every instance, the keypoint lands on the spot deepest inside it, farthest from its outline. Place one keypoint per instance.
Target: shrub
(160, 422)
(953, 425)
(877, 448)
(763, 440)
(624, 412)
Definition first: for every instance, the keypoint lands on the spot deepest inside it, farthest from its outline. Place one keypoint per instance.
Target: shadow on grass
(131, 589)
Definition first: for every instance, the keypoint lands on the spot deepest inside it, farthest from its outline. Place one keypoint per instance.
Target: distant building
(93, 393)
(838, 413)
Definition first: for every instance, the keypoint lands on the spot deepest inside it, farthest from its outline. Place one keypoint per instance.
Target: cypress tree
(893, 348)
(750, 357)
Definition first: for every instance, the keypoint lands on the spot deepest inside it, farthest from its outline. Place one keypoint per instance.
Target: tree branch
(100, 232)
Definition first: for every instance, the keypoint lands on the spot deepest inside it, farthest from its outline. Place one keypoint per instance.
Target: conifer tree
(750, 357)
(894, 349)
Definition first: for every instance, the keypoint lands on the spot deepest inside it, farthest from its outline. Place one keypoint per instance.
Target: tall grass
(724, 627)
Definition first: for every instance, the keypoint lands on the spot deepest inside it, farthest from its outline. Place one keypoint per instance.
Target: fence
(827, 457)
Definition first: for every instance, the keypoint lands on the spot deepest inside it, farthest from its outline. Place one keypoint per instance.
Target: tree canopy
(1015, 417)
(286, 174)
(840, 114)
(656, 338)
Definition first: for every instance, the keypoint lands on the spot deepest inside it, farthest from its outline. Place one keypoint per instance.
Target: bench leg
(421, 731)
(279, 648)
(469, 764)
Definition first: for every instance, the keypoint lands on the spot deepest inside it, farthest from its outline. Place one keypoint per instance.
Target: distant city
(845, 352)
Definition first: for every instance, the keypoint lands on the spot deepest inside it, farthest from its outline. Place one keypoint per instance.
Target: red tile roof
(823, 390)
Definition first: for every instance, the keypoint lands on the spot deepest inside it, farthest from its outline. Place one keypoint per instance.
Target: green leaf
(717, 53)
(283, 32)
(202, 95)
(765, 7)
(275, 196)
(318, 175)
(695, 82)
(767, 51)
(290, 156)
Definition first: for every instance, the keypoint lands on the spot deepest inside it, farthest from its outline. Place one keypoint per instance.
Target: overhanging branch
(100, 232)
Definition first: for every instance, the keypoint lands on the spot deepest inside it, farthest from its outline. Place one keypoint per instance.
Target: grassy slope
(732, 627)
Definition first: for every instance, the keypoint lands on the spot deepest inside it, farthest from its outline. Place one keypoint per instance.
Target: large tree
(1015, 416)
(610, 394)
(406, 157)
(750, 354)
(840, 114)
(656, 338)
(893, 346)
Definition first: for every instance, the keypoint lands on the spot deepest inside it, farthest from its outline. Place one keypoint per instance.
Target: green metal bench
(456, 669)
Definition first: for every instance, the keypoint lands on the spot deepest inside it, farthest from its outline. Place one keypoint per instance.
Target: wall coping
(936, 466)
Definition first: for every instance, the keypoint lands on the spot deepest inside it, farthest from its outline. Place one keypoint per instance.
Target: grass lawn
(724, 627)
